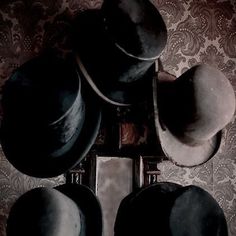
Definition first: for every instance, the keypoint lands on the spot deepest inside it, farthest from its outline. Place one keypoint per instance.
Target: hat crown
(43, 96)
(177, 211)
(44, 212)
(199, 206)
(136, 26)
(43, 88)
(196, 108)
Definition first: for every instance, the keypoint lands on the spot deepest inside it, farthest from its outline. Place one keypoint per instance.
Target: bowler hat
(50, 119)
(67, 210)
(190, 113)
(116, 48)
(168, 209)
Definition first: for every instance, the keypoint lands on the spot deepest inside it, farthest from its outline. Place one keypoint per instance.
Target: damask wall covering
(198, 31)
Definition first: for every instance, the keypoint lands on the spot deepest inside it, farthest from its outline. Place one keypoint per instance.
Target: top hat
(190, 113)
(50, 119)
(116, 48)
(69, 209)
(168, 209)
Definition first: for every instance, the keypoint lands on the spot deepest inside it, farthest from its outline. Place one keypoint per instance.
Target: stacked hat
(116, 48)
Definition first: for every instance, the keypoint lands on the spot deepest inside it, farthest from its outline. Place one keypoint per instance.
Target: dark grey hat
(117, 46)
(67, 210)
(50, 119)
(190, 113)
(168, 209)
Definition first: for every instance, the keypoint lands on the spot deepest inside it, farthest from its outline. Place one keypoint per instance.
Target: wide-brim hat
(168, 209)
(69, 208)
(119, 65)
(203, 89)
(51, 118)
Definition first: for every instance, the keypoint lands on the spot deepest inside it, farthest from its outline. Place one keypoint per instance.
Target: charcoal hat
(125, 210)
(116, 47)
(50, 118)
(136, 27)
(190, 113)
(169, 209)
(69, 209)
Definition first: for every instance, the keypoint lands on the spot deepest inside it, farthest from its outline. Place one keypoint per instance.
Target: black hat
(67, 210)
(50, 119)
(190, 113)
(117, 46)
(168, 209)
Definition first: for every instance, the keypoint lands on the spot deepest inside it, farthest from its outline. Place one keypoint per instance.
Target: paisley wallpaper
(198, 31)
(204, 31)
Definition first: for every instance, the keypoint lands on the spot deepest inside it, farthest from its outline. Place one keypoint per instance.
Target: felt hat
(168, 209)
(116, 48)
(190, 113)
(69, 209)
(50, 119)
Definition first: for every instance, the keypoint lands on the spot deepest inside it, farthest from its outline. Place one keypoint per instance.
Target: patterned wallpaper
(204, 32)
(198, 31)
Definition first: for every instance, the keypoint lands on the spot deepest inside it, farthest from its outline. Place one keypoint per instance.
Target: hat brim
(46, 167)
(88, 204)
(198, 206)
(178, 152)
(96, 60)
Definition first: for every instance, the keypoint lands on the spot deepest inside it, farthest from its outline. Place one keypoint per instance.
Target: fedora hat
(168, 209)
(190, 113)
(50, 119)
(67, 210)
(116, 47)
